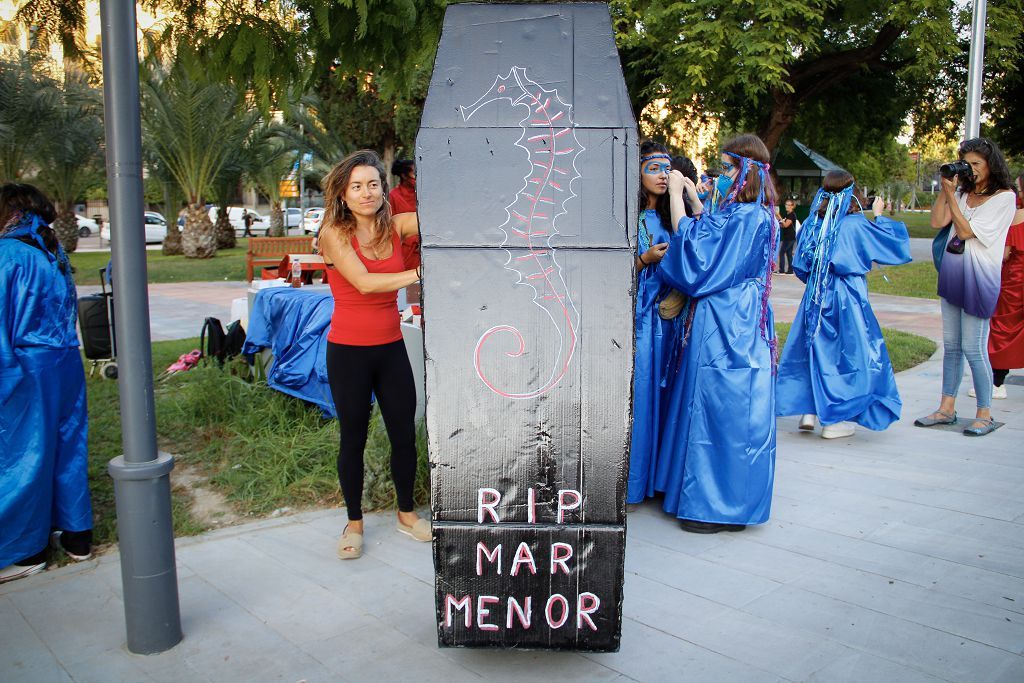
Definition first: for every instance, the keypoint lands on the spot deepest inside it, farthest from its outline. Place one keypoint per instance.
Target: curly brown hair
(336, 214)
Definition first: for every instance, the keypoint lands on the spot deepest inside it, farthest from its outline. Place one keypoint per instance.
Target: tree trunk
(276, 219)
(388, 156)
(779, 120)
(225, 231)
(172, 242)
(198, 240)
(66, 228)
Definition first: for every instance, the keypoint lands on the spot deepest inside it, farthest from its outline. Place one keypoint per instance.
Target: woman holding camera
(978, 199)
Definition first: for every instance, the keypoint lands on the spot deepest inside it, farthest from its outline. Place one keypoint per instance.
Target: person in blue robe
(43, 424)
(653, 334)
(835, 365)
(717, 458)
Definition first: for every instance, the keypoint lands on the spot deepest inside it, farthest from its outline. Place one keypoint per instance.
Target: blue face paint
(723, 184)
(657, 168)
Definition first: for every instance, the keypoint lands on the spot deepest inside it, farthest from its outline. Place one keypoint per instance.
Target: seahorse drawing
(550, 142)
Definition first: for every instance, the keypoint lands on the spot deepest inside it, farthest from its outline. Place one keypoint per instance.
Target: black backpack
(214, 342)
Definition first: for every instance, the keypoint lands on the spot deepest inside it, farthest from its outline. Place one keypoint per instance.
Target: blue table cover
(293, 324)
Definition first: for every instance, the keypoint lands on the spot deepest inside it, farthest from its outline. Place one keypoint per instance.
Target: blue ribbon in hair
(819, 249)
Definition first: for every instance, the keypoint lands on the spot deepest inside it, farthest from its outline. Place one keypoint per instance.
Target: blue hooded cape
(43, 423)
(836, 366)
(717, 457)
(653, 337)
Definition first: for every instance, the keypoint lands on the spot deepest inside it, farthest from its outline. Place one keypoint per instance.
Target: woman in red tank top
(363, 243)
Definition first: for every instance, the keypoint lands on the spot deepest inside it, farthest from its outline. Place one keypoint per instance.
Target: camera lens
(956, 168)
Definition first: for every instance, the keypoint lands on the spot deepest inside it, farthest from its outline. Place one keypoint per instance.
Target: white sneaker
(997, 392)
(838, 431)
(807, 422)
(15, 571)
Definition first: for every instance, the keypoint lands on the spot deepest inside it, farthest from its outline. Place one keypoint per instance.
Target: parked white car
(86, 226)
(236, 215)
(312, 220)
(154, 224)
(292, 218)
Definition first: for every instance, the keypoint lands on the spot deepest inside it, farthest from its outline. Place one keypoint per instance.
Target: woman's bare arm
(345, 260)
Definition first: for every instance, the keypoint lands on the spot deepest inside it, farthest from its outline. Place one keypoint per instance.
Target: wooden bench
(265, 252)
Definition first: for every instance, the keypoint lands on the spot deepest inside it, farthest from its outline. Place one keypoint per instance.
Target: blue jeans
(965, 335)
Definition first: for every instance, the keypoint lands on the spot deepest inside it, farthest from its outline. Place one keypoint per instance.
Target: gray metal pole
(141, 476)
(972, 126)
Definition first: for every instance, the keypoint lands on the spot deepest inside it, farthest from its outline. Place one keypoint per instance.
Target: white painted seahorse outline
(568, 309)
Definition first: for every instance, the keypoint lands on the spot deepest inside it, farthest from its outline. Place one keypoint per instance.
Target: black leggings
(354, 372)
(999, 376)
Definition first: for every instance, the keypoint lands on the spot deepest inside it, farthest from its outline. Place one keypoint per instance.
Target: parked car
(154, 224)
(292, 218)
(86, 226)
(236, 216)
(311, 221)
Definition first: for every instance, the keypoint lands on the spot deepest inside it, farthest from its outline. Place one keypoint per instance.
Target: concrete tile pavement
(889, 556)
(177, 310)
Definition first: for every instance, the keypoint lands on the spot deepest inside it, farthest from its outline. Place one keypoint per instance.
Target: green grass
(228, 264)
(918, 223)
(905, 349)
(262, 449)
(105, 444)
(917, 279)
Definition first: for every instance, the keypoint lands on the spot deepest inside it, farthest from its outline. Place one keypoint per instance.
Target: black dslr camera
(956, 168)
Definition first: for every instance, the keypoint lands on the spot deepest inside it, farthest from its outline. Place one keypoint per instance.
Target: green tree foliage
(193, 125)
(269, 158)
(758, 63)
(28, 101)
(1007, 108)
(70, 154)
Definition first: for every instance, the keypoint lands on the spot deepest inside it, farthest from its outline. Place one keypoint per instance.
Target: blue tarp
(293, 324)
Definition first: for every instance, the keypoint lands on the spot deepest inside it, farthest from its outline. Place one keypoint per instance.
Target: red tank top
(366, 319)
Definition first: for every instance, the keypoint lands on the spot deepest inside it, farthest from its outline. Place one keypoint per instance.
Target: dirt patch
(209, 507)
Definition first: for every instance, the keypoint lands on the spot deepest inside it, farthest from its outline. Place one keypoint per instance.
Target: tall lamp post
(142, 488)
(976, 70)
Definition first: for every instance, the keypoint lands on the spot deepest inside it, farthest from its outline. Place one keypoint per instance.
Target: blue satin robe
(844, 373)
(653, 337)
(717, 457)
(43, 424)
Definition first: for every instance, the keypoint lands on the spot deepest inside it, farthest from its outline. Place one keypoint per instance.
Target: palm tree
(28, 100)
(271, 159)
(70, 156)
(194, 125)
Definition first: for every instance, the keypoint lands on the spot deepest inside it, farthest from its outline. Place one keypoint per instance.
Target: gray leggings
(964, 335)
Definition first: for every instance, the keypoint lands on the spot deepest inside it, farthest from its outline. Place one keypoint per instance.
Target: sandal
(929, 421)
(350, 545)
(419, 531)
(988, 426)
